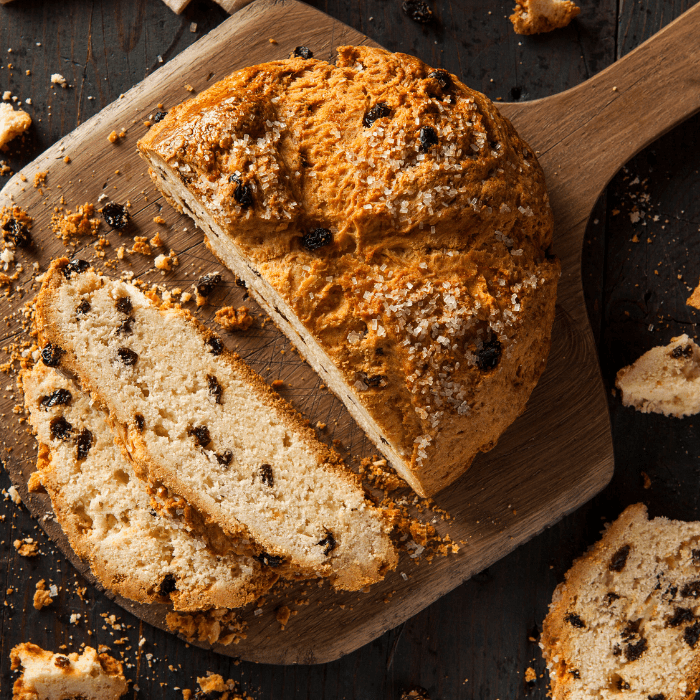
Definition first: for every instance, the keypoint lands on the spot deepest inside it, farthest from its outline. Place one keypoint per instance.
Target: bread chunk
(49, 676)
(666, 379)
(195, 419)
(396, 229)
(538, 16)
(624, 623)
(12, 123)
(106, 512)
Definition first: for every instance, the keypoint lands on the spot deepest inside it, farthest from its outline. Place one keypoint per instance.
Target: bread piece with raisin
(106, 511)
(625, 623)
(539, 16)
(198, 422)
(393, 225)
(666, 379)
(49, 676)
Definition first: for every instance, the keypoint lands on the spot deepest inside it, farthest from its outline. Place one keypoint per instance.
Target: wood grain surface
(480, 631)
(509, 494)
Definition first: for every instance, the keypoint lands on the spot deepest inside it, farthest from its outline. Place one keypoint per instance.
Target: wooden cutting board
(552, 459)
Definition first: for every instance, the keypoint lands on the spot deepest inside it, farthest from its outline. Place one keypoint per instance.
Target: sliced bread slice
(194, 418)
(625, 623)
(105, 510)
(49, 676)
(666, 379)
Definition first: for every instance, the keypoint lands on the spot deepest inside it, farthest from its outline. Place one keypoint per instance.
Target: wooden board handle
(584, 135)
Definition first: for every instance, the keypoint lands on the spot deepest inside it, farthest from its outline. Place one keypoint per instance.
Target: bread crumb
(34, 484)
(14, 495)
(42, 597)
(58, 79)
(166, 262)
(40, 178)
(189, 88)
(26, 547)
(218, 626)
(141, 246)
(113, 137)
(277, 384)
(282, 615)
(530, 675)
(231, 319)
(538, 16)
(67, 225)
(12, 123)
(157, 241)
(159, 220)
(694, 298)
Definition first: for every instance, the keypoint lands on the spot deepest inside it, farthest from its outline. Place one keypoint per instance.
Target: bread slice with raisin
(106, 512)
(49, 676)
(195, 419)
(625, 623)
(666, 379)
(393, 225)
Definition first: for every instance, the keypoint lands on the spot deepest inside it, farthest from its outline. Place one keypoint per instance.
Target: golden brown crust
(471, 213)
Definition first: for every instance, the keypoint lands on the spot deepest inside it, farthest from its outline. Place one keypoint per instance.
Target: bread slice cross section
(106, 512)
(196, 420)
(49, 676)
(625, 623)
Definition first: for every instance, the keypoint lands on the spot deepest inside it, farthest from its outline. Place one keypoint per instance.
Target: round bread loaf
(393, 225)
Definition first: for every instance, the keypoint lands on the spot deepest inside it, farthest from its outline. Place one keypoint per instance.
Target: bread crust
(408, 348)
(236, 536)
(557, 629)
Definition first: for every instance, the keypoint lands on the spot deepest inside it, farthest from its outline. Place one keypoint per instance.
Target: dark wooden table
(477, 641)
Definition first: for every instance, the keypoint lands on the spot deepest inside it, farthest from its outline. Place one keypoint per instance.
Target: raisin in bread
(105, 510)
(49, 676)
(393, 225)
(194, 418)
(665, 379)
(625, 624)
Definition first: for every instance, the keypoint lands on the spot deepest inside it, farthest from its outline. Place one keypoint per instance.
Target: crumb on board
(166, 262)
(141, 246)
(218, 626)
(282, 615)
(58, 79)
(231, 319)
(14, 495)
(68, 225)
(40, 178)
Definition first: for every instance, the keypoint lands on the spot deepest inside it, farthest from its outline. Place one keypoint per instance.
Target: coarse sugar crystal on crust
(393, 225)
(106, 512)
(196, 420)
(49, 676)
(625, 623)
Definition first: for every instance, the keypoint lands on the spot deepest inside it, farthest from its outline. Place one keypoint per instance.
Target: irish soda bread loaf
(393, 225)
(49, 676)
(196, 419)
(625, 624)
(666, 379)
(106, 512)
